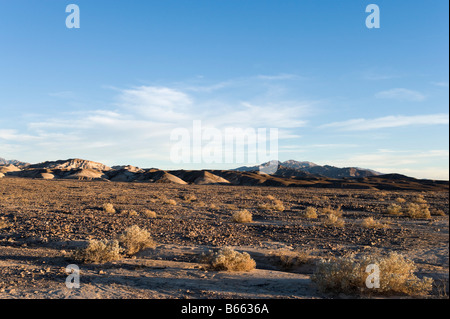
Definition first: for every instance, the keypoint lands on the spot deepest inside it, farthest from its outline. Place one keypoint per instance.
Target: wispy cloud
(158, 103)
(279, 77)
(401, 94)
(389, 122)
(62, 94)
(138, 122)
(443, 84)
(419, 164)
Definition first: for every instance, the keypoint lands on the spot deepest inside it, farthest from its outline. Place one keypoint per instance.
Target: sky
(119, 88)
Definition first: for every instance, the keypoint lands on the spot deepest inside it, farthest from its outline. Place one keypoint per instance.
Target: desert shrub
(130, 213)
(394, 209)
(369, 222)
(109, 208)
(332, 211)
(414, 210)
(242, 216)
(274, 205)
(437, 212)
(348, 275)
(199, 204)
(334, 220)
(400, 200)
(149, 213)
(229, 260)
(134, 239)
(166, 200)
(311, 212)
(170, 202)
(419, 200)
(289, 259)
(99, 251)
(278, 205)
(189, 198)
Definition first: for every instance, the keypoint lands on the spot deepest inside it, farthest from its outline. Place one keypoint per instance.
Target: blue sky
(339, 93)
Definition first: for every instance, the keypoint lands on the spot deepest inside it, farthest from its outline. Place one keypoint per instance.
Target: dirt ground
(43, 221)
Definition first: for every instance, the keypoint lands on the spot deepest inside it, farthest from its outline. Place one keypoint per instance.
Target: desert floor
(43, 221)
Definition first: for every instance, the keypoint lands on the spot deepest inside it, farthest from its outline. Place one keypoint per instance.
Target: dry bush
(394, 209)
(311, 212)
(199, 204)
(189, 198)
(99, 251)
(289, 259)
(348, 275)
(109, 208)
(229, 260)
(400, 200)
(242, 216)
(332, 211)
(149, 213)
(270, 197)
(274, 205)
(167, 201)
(333, 220)
(414, 210)
(437, 212)
(134, 239)
(170, 202)
(130, 213)
(369, 222)
(419, 200)
(278, 205)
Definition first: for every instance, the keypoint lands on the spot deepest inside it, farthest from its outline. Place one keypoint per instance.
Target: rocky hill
(287, 174)
(308, 169)
(4, 162)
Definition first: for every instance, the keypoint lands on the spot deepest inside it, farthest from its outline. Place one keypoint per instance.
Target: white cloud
(278, 77)
(419, 164)
(137, 126)
(389, 122)
(62, 94)
(443, 84)
(401, 94)
(15, 136)
(247, 114)
(158, 103)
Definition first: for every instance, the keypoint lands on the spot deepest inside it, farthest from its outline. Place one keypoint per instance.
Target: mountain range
(290, 173)
(12, 162)
(294, 168)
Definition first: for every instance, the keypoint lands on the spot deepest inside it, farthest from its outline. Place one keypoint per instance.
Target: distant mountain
(286, 174)
(12, 162)
(298, 165)
(74, 163)
(294, 168)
